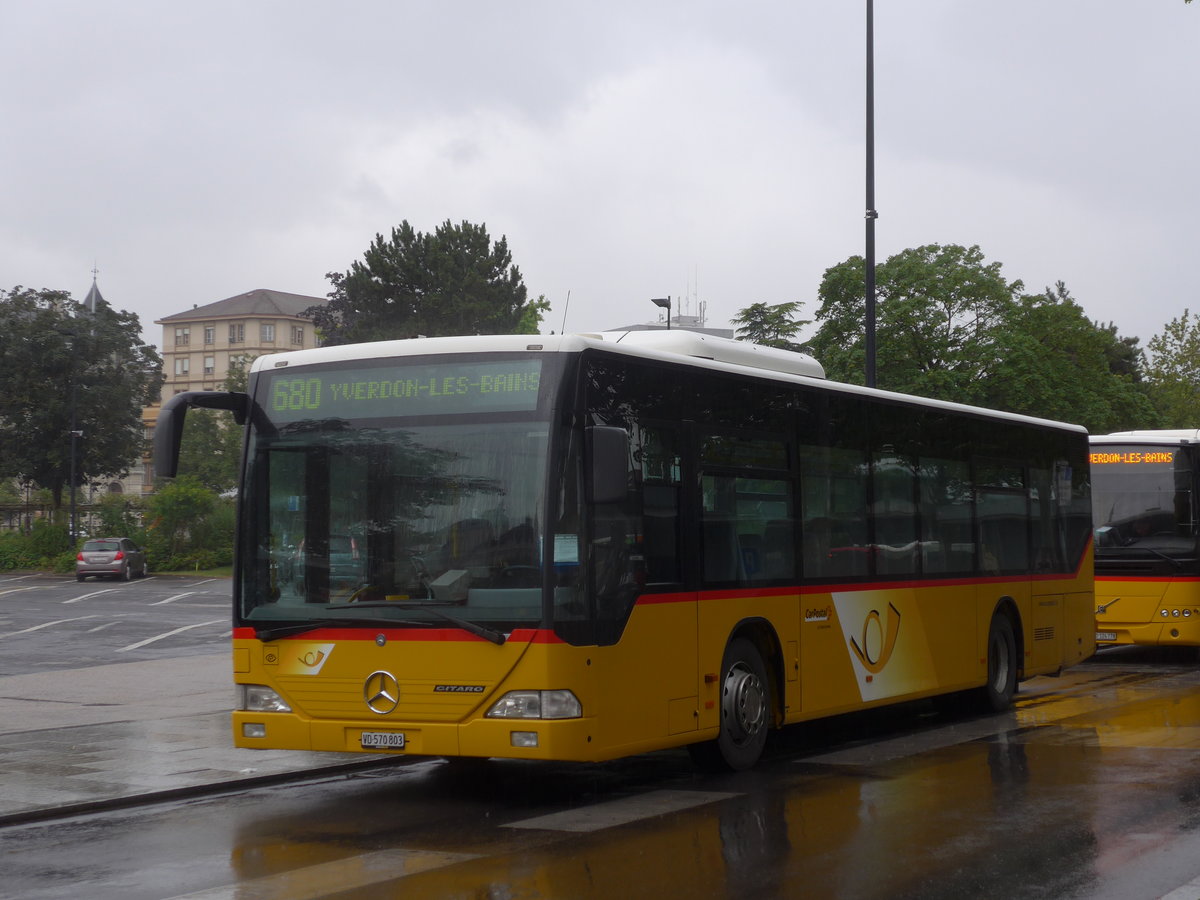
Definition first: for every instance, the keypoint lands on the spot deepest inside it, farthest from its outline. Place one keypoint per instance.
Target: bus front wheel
(997, 694)
(745, 711)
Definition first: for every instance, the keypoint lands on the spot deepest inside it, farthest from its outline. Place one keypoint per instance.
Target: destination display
(410, 390)
(1126, 456)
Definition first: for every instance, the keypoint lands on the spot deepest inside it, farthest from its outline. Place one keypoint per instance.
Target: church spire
(92, 301)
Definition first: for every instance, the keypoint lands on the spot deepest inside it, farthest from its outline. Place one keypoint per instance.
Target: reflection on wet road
(1090, 788)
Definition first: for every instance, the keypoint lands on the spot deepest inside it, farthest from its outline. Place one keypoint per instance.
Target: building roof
(93, 300)
(259, 302)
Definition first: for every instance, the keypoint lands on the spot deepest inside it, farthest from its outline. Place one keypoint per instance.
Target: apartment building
(199, 345)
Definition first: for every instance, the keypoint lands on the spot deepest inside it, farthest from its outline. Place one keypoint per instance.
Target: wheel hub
(743, 702)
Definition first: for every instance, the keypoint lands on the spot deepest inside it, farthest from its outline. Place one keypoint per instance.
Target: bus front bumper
(543, 739)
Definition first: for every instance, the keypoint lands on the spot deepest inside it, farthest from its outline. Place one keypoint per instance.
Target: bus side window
(1003, 517)
(946, 514)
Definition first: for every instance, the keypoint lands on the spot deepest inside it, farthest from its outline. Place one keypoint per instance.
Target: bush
(16, 552)
(46, 547)
(48, 540)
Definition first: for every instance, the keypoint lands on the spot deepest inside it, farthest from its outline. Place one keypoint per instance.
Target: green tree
(65, 369)
(773, 326)
(951, 327)
(454, 281)
(937, 308)
(1058, 364)
(118, 515)
(1173, 371)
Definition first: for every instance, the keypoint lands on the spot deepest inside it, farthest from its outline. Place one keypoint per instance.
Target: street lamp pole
(872, 215)
(75, 434)
(665, 303)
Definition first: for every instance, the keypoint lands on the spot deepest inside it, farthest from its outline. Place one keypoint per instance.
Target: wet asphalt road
(1090, 788)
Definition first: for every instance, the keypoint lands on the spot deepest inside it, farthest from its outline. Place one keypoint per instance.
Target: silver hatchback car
(118, 557)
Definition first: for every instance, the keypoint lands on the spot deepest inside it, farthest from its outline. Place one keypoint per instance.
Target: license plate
(383, 740)
(1106, 635)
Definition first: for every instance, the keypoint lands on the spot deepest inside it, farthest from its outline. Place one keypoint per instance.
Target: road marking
(621, 812)
(45, 625)
(167, 634)
(1189, 891)
(101, 627)
(323, 879)
(18, 590)
(92, 594)
(172, 599)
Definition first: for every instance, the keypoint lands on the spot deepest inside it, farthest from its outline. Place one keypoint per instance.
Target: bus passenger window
(947, 544)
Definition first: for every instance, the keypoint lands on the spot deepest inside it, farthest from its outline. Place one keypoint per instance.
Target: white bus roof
(675, 346)
(1165, 436)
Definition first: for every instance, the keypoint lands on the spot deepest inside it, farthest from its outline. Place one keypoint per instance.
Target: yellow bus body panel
(827, 652)
(1150, 611)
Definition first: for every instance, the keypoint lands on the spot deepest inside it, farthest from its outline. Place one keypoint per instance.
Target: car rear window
(100, 546)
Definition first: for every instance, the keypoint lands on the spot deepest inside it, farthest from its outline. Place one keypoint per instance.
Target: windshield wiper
(271, 633)
(1133, 549)
(488, 634)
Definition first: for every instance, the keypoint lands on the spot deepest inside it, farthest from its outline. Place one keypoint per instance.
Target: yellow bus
(1147, 560)
(582, 547)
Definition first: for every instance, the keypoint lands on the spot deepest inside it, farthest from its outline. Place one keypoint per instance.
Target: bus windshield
(371, 499)
(1142, 500)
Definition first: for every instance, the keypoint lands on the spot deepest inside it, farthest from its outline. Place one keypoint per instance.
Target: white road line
(167, 634)
(621, 812)
(92, 594)
(354, 872)
(173, 599)
(45, 625)
(101, 627)
(1189, 891)
(18, 590)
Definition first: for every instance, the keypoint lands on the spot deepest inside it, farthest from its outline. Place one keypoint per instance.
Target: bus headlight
(260, 698)
(536, 705)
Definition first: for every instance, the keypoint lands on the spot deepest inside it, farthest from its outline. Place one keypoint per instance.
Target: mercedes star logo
(382, 692)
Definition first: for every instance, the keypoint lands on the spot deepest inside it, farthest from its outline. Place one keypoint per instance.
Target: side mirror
(168, 430)
(607, 450)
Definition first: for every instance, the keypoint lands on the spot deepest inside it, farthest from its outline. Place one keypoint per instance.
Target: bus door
(646, 620)
(747, 540)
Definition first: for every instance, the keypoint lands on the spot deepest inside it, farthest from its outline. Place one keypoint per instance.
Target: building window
(210, 365)
(298, 335)
(183, 366)
(237, 333)
(210, 334)
(183, 337)
(266, 332)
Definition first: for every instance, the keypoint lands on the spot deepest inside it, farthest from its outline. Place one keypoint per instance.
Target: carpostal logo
(878, 639)
(820, 614)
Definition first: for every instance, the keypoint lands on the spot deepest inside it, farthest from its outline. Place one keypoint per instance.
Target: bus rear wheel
(745, 711)
(997, 694)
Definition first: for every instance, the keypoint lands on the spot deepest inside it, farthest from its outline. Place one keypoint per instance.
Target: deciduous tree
(65, 369)
(1173, 371)
(950, 326)
(937, 308)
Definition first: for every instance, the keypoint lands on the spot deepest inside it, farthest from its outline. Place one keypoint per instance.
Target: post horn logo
(875, 663)
(381, 691)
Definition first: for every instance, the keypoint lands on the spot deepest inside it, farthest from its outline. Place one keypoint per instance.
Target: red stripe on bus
(448, 635)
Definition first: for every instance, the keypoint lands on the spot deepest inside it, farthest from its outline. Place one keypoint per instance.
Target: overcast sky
(711, 151)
